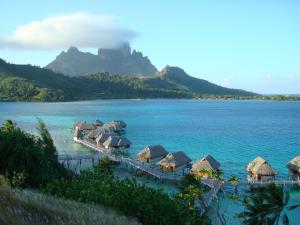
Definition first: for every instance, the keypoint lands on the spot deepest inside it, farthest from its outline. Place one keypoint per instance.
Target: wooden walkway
(278, 182)
(209, 196)
(202, 204)
(157, 173)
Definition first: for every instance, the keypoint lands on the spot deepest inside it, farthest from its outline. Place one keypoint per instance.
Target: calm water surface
(234, 132)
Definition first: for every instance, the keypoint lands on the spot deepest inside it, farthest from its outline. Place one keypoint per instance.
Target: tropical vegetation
(29, 161)
(149, 205)
(31, 83)
(30, 207)
(266, 205)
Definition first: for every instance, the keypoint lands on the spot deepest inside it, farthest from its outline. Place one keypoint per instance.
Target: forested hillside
(31, 83)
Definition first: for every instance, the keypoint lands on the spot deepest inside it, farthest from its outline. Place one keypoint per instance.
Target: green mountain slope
(196, 85)
(31, 83)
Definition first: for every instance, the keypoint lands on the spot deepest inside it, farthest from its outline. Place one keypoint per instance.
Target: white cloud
(80, 29)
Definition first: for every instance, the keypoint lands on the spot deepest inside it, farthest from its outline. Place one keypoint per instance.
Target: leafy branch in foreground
(28, 160)
(266, 205)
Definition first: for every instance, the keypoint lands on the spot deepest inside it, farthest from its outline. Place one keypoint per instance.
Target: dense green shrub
(28, 160)
(149, 205)
(31, 161)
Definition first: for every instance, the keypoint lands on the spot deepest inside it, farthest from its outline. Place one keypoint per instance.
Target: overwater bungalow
(103, 137)
(116, 143)
(115, 126)
(77, 124)
(98, 123)
(260, 170)
(294, 167)
(152, 153)
(120, 123)
(174, 161)
(100, 130)
(84, 126)
(256, 161)
(200, 168)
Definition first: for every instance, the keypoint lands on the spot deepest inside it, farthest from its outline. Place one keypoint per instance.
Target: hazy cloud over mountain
(80, 29)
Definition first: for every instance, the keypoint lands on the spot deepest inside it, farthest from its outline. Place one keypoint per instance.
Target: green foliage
(14, 88)
(149, 205)
(31, 161)
(47, 142)
(30, 83)
(18, 179)
(235, 182)
(214, 174)
(178, 76)
(104, 166)
(26, 159)
(266, 205)
(188, 179)
(5, 190)
(26, 207)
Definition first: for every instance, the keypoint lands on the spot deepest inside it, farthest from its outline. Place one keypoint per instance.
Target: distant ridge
(120, 61)
(196, 85)
(32, 83)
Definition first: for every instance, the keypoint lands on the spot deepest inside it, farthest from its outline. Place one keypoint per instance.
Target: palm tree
(235, 182)
(214, 174)
(217, 175)
(267, 205)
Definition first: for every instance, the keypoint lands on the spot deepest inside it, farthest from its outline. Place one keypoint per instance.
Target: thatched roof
(175, 159)
(100, 130)
(294, 164)
(86, 126)
(257, 161)
(153, 152)
(104, 136)
(116, 142)
(98, 123)
(119, 122)
(77, 124)
(207, 162)
(264, 169)
(115, 126)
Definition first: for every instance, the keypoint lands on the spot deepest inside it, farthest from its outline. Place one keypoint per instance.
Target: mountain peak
(73, 49)
(124, 50)
(173, 72)
(118, 61)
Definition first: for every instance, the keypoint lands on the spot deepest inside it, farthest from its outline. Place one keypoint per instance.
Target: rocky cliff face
(121, 61)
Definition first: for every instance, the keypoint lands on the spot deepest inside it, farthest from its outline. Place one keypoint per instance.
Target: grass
(26, 207)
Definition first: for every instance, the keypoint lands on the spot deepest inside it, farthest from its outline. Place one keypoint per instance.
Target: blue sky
(253, 45)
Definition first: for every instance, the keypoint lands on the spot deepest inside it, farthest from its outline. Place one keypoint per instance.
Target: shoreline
(289, 99)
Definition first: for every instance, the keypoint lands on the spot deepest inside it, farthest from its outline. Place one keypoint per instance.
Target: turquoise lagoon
(234, 132)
